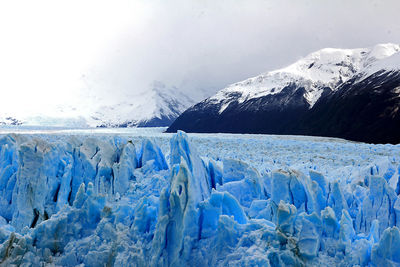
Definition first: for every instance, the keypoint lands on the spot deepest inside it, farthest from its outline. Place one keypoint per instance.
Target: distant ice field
(335, 158)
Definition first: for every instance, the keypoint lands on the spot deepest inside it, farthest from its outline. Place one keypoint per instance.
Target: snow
(391, 63)
(156, 102)
(140, 197)
(328, 67)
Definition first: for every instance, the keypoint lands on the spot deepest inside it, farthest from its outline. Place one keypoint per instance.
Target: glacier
(155, 199)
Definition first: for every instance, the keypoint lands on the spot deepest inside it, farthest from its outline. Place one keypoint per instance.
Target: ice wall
(73, 200)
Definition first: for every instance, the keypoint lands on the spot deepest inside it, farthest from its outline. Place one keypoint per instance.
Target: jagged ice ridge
(94, 201)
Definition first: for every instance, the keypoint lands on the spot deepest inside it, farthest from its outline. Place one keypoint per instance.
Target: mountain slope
(364, 110)
(292, 100)
(157, 106)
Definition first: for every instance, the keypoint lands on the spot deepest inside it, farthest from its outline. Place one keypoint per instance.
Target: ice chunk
(242, 181)
(336, 199)
(145, 216)
(181, 150)
(280, 187)
(286, 215)
(92, 162)
(236, 170)
(377, 204)
(286, 186)
(123, 170)
(71, 223)
(308, 232)
(386, 252)
(150, 151)
(31, 179)
(263, 209)
(346, 233)
(219, 204)
(330, 224)
(256, 207)
(245, 191)
(321, 181)
(81, 197)
(178, 226)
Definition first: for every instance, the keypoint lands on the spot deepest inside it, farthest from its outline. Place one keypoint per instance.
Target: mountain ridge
(277, 102)
(157, 106)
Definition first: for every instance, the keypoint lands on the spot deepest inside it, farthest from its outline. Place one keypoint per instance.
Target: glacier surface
(152, 199)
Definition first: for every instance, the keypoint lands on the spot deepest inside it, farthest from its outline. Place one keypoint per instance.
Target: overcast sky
(53, 51)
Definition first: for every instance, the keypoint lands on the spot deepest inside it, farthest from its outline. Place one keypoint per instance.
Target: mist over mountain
(158, 105)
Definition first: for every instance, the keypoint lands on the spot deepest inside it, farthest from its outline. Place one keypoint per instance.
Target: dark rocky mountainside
(351, 94)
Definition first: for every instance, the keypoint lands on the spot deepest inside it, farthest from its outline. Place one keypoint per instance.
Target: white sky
(59, 52)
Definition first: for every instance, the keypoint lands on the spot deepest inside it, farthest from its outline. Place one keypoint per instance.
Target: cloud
(58, 51)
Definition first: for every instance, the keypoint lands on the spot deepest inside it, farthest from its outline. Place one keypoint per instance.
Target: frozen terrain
(140, 197)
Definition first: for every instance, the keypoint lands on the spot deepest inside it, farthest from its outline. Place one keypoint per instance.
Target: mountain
(6, 120)
(158, 106)
(347, 93)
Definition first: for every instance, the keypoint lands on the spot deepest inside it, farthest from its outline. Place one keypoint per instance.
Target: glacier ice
(115, 200)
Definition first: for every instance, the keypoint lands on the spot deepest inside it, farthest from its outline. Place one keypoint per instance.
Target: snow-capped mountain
(278, 102)
(326, 68)
(157, 106)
